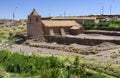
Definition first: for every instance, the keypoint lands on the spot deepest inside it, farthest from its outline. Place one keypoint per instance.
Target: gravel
(108, 52)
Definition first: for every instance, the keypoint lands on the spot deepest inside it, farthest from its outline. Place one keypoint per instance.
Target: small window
(37, 19)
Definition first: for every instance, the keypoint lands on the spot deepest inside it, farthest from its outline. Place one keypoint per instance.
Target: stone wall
(70, 40)
(111, 33)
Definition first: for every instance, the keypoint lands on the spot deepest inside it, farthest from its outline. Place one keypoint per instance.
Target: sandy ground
(28, 49)
(107, 55)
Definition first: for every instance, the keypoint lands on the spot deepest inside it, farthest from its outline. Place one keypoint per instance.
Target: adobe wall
(35, 31)
(70, 40)
(55, 29)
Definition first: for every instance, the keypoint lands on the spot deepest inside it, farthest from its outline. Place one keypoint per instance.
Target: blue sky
(56, 7)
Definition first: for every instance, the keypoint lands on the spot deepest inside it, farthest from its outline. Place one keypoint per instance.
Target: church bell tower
(34, 26)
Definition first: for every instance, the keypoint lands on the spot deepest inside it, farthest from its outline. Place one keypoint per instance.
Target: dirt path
(28, 49)
(104, 56)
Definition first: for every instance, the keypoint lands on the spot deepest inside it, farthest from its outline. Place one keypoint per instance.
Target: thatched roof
(51, 23)
(75, 28)
(73, 18)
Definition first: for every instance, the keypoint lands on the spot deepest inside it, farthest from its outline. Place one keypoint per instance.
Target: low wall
(70, 40)
(111, 33)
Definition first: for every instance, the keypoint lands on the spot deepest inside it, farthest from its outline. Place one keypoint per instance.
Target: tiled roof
(51, 23)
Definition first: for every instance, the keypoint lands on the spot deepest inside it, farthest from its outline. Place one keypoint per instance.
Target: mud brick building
(38, 28)
(79, 19)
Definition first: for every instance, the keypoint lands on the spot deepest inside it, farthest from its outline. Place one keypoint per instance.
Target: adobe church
(38, 28)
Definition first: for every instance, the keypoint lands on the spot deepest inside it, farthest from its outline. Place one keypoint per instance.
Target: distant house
(38, 28)
(78, 19)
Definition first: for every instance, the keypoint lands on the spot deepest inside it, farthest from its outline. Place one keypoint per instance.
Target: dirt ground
(107, 52)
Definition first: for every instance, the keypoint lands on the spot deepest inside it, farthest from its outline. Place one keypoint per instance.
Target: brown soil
(105, 52)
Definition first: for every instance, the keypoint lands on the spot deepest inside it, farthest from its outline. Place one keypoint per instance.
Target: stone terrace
(95, 36)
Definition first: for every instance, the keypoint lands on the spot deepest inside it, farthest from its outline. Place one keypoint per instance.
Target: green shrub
(89, 25)
(51, 73)
(112, 25)
(4, 55)
(4, 34)
(55, 62)
(76, 69)
(98, 75)
(103, 24)
(45, 67)
(17, 63)
(114, 22)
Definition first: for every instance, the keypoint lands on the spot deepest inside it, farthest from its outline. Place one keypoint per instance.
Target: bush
(104, 67)
(4, 55)
(17, 63)
(4, 34)
(89, 25)
(44, 67)
(112, 25)
(102, 24)
(114, 22)
(55, 62)
(99, 75)
(51, 73)
(76, 69)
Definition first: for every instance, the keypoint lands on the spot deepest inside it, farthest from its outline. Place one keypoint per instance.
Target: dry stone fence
(82, 41)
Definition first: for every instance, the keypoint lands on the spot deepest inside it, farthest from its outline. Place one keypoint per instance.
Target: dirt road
(104, 56)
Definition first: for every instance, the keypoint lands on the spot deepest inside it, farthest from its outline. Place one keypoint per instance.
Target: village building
(79, 19)
(38, 28)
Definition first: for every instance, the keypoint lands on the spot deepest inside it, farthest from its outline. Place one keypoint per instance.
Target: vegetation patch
(45, 67)
(112, 25)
